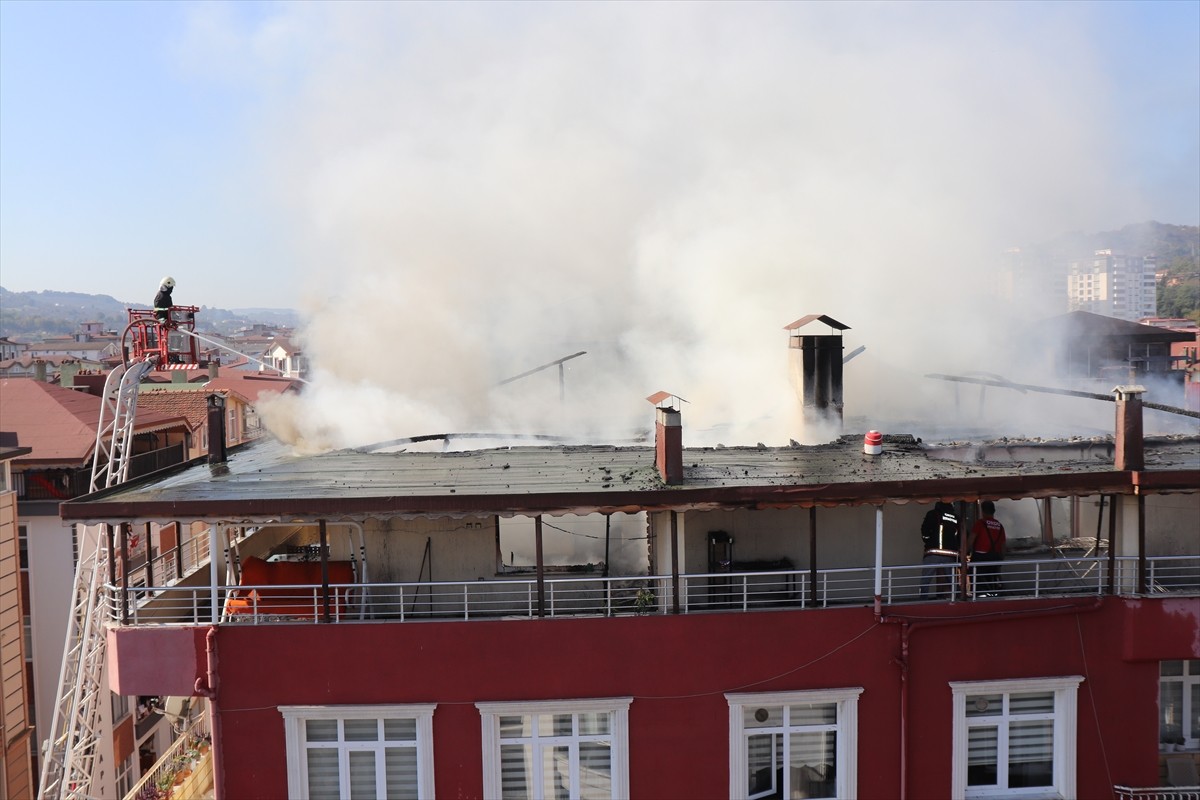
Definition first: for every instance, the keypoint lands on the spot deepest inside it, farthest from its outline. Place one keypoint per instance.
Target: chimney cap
(1125, 392)
(658, 398)
(828, 320)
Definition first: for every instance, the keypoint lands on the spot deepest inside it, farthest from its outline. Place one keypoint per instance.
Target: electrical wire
(1087, 680)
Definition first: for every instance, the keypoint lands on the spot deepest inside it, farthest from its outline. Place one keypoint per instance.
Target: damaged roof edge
(93, 508)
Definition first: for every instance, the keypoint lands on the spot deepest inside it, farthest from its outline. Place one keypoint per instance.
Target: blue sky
(146, 138)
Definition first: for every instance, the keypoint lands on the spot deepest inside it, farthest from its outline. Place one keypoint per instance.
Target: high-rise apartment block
(1114, 285)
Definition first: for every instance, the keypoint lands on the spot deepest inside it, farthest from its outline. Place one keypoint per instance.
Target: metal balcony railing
(185, 770)
(1157, 793)
(594, 596)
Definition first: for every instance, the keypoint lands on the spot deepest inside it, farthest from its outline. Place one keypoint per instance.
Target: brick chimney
(1131, 451)
(668, 445)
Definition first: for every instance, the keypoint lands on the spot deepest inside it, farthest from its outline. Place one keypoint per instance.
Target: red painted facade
(677, 669)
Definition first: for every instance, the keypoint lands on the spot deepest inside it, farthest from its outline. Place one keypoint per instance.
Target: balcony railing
(592, 596)
(184, 772)
(1157, 793)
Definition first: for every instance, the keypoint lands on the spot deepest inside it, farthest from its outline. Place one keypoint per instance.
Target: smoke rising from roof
(487, 187)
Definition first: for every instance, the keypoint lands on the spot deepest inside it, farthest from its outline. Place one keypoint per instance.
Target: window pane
(812, 764)
(594, 724)
(762, 717)
(516, 771)
(400, 730)
(362, 775)
(516, 726)
(1195, 730)
(1031, 703)
(813, 714)
(595, 770)
(1170, 711)
(1170, 668)
(1193, 667)
(981, 755)
(323, 777)
(321, 730)
(984, 705)
(554, 725)
(362, 730)
(760, 762)
(1030, 754)
(556, 773)
(400, 765)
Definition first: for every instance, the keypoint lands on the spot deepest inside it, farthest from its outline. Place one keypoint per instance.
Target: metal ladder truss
(69, 760)
(70, 756)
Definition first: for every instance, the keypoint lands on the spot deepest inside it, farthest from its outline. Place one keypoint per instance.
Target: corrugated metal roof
(268, 481)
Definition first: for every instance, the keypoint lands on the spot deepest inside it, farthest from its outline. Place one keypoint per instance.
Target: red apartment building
(756, 626)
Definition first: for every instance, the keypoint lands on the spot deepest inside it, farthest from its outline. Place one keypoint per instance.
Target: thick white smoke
(482, 188)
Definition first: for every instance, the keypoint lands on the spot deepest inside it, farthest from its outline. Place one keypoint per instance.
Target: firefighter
(162, 300)
(939, 534)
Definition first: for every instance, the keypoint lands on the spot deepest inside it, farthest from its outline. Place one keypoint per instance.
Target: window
(125, 777)
(340, 752)
(556, 750)
(794, 744)
(1015, 737)
(1179, 703)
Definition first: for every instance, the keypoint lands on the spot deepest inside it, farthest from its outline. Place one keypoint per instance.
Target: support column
(878, 559)
(214, 547)
(812, 555)
(674, 562)
(323, 542)
(541, 570)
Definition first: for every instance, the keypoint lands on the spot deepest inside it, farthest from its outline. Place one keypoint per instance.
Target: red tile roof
(249, 386)
(189, 403)
(59, 425)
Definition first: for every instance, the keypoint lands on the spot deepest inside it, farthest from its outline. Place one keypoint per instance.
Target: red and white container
(873, 443)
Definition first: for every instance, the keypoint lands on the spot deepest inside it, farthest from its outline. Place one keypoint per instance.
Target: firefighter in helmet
(162, 300)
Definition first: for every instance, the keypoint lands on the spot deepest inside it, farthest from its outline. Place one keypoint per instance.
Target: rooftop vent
(816, 366)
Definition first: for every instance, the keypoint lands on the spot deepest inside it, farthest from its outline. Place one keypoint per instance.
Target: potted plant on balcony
(644, 601)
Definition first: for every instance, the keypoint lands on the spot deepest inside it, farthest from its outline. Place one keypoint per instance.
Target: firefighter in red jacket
(986, 546)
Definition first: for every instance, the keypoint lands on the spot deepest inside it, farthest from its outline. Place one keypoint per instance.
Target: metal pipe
(541, 570)
(206, 687)
(323, 542)
(125, 573)
(1112, 544)
(878, 560)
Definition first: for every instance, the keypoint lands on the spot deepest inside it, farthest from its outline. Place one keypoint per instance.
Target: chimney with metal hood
(1131, 450)
(216, 429)
(668, 438)
(816, 361)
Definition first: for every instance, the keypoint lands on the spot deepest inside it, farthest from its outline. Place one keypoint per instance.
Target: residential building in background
(1115, 285)
(1033, 281)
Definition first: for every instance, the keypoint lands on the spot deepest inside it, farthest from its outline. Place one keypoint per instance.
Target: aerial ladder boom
(69, 762)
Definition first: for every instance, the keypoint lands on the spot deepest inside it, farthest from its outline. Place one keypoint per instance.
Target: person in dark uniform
(939, 534)
(162, 300)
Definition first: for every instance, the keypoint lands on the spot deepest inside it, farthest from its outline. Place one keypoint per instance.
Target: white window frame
(618, 707)
(1187, 680)
(294, 718)
(1064, 772)
(846, 780)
